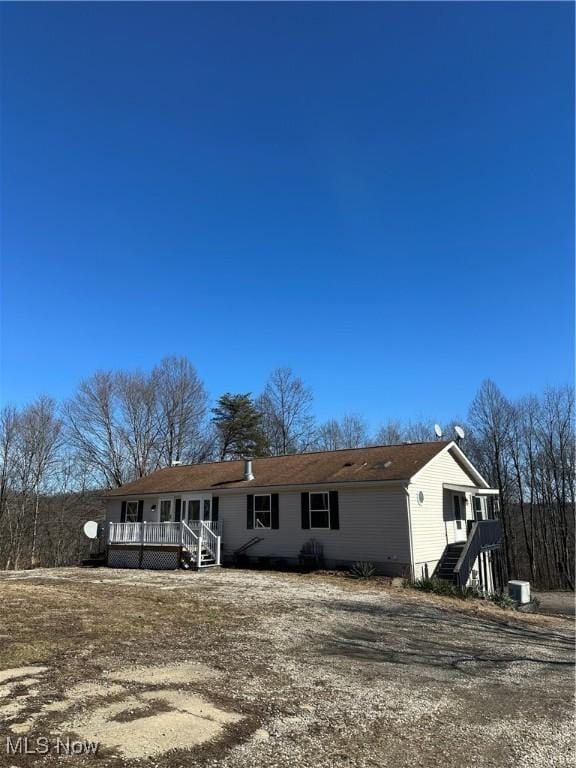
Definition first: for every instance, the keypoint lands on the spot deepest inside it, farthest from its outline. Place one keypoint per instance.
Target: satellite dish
(438, 430)
(91, 529)
(459, 432)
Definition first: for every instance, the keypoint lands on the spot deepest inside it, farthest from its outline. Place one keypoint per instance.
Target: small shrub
(470, 593)
(503, 600)
(363, 570)
(425, 585)
(446, 588)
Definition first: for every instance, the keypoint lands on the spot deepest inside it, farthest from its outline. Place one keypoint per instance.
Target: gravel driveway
(316, 671)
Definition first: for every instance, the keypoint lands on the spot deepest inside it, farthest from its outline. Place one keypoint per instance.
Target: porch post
(218, 550)
(199, 551)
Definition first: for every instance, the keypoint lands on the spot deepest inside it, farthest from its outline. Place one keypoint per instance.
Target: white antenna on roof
(460, 434)
(438, 430)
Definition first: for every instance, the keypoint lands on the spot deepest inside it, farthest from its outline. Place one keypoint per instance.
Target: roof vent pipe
(248, 474)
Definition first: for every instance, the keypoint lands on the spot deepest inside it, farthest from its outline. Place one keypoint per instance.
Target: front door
(459, 518)
(196, 508)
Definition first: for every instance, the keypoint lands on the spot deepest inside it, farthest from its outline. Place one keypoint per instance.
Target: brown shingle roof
(378, 463)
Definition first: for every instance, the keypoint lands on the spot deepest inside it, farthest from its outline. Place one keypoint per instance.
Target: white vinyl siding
(114, 509)
(373, 526)
(433, 525)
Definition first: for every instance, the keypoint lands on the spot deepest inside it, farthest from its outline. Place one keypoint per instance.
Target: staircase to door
(445, 568)
(200, 548)
(458, 559)
(189, 558)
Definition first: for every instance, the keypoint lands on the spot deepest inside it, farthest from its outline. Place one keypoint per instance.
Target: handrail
(189, 538)
(211, 541)
(215, 526)
(144, 533)
(248, 544)
(484, 535)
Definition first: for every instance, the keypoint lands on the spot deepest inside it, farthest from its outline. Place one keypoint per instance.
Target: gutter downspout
(410, 539)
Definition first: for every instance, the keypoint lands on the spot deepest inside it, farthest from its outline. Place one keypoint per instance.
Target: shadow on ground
(430, 637)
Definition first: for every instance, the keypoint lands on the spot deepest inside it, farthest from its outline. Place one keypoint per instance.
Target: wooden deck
(199, 541)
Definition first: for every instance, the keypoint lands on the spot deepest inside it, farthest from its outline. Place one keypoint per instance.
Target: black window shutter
(334, 510)
(275, 510)
(140, 510)
(177, 510)
(123, 512)
(250, 511)
(305, 507)
(215, 508)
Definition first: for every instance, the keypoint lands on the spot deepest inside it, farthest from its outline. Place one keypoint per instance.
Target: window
(262, 514)
(193, 509)
(319, 510)
(131, 511)
(420, 497)
(457, 512)
(165, 510)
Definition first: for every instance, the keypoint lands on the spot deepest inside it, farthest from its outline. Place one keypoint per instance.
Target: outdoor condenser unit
(519, 591)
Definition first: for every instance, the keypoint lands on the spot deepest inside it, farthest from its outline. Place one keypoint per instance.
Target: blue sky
(377, 195)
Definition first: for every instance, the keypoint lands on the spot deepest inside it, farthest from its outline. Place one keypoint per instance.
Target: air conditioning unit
(519, 591)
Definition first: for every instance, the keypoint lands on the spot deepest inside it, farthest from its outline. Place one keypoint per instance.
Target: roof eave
(252, 485)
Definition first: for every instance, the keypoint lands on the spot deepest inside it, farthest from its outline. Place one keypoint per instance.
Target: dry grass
(44, 620)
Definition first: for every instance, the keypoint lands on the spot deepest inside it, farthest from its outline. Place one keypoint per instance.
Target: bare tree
(182, 409)
(420, 431)
(8, 435)
(286, 405)
(350, 432)
(354, 430)
(138, 427)
(329, 436)
(31, 442)
(40, 431)
(390, 433)
(490, 417)
(94, 429)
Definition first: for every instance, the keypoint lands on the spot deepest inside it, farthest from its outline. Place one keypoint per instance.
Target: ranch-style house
(413, 510)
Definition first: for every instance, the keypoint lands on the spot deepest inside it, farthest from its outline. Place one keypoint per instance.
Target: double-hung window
(262, 511)
(131, 511)
(319, 510)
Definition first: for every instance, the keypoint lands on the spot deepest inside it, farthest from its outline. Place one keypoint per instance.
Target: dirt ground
(237, 669)
(556, 603)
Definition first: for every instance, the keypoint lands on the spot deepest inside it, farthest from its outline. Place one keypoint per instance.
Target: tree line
(122, 425)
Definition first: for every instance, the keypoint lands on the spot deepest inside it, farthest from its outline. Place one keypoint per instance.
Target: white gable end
(430, 503)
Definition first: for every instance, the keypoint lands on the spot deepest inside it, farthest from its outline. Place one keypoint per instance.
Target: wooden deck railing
(161, 533)
(484, 535)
